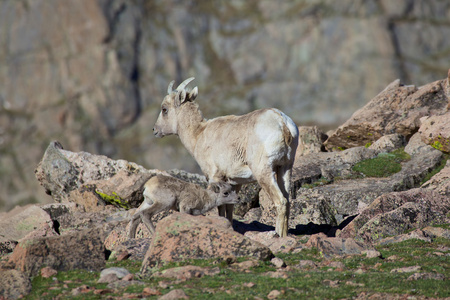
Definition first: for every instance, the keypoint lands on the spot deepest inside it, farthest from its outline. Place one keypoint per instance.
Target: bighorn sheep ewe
(259, 146)
(165, 192)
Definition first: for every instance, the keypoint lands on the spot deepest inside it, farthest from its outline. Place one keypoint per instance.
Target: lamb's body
(165, 192)
(259, 146)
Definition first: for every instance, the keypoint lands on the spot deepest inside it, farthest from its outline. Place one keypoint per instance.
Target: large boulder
(81, 249)
(91, 180)
(182, 236)
(398, 212)
(397, 109)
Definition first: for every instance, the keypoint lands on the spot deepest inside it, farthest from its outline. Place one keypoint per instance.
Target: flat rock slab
(182, 236)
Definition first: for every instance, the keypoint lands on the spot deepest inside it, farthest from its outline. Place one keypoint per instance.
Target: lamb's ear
(192, 95)
(180, 97)
(214, 187)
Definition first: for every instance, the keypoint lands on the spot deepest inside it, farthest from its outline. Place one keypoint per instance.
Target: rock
(396, 109)
(278, 262)
(350, 196)
(118, 272)
(395, 213)
(245, 265)
(335, 246)
(310, 140)
(136, 248)
(371, 253)
(14, 284)
(248, 199)
(388, 143)
(407, 269)
(435, 131)
(174, 294)
(434, 232)
(306, 264)
(48, 272)
(311, 167)
(274, 294)
(74, 250)
(91, 180)
(7, 247)
(417, 146)
(201, 237)
(273, 241)
(187, 272)
(21, 221)
(416, 234)
(109, 278)
(440, 182)
(426, 276)
(146, 292)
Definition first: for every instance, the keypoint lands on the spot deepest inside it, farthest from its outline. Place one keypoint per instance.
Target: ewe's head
(167, 122)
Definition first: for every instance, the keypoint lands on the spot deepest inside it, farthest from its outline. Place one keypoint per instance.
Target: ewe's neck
(190, 125)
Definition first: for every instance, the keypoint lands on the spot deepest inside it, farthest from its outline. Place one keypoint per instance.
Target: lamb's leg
(222, 210)
(148, 213)
(269, 183)
(230, 207)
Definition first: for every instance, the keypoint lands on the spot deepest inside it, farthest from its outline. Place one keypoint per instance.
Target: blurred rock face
(92, 74)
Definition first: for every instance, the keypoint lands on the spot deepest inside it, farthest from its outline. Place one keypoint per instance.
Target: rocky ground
(369, 219)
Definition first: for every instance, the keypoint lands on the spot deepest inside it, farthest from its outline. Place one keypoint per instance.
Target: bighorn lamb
(165, 192)
(259, 146)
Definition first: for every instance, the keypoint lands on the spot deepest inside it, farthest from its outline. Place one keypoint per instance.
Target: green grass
(384, 165)
(310, 283)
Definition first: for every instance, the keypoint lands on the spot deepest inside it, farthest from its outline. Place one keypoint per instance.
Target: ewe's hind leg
(135, 220)
(269, 183)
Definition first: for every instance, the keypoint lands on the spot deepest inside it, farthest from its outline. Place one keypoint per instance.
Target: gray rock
(119, 272)
(395, 213)
(21, 221)
(440, 182)
(330, 246)
(435, 131)
(91, 180)
(331, 203)
(14, 284)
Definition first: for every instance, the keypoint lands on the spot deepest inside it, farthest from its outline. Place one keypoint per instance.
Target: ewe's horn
(169, 89)
(184, 84)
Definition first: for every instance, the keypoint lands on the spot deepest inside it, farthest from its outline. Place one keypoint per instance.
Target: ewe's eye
(164, 111)
(226, 194)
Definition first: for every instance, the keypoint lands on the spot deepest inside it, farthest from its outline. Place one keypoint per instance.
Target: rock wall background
(92, 74)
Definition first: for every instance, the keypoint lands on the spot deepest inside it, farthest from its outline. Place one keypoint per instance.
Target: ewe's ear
(180, 97)
(192, 95)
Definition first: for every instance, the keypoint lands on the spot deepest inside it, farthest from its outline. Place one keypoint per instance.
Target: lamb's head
(167, 122)
(224, 193)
